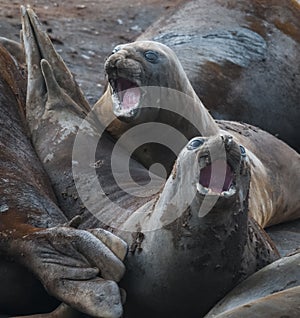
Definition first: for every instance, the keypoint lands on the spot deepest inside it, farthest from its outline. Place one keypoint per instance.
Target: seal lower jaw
(126, 96)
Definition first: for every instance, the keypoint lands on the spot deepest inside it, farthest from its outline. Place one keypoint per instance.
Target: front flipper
(76, 267)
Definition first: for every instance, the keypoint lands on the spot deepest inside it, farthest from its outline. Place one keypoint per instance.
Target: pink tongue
(216, 181)
(131, 98)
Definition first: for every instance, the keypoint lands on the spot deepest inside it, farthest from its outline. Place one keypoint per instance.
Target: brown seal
(132, 72)
(168, 239)
(25, 197)
(275, 166)
(31, 223)
(242, 58)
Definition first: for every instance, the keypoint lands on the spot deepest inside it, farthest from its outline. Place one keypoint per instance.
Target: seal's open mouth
(216, 178)
(126, 97)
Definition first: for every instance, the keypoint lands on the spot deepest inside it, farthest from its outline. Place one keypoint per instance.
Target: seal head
(132, 68)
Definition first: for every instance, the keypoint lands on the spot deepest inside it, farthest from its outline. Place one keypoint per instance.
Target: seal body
(26, 202)
(146, 220)
(279, 296)
(241, 58)
(274, 176)
(35, 236)
(189, 271)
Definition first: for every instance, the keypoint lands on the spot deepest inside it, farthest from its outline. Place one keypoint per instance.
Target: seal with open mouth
(177, 250)
(275, 166)
(135, 74)
(200, 253)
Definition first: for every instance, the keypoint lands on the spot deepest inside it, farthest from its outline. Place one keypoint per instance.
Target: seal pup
(150, 219)
(275, 166)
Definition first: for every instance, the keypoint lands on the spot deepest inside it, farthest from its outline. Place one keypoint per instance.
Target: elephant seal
(190, 236)
(132, 71)
(279, 295)
(147, 222)
(31, 223)
(242, 58)
(274, 165)
(22, 181)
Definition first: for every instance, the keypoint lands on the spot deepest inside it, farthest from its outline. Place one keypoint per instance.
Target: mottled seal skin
(167, 256)
(242, 58)
(35, 238)
(26, 197)
(275, 182)
(273, 290)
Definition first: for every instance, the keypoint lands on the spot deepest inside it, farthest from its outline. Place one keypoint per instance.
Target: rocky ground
(85, 32)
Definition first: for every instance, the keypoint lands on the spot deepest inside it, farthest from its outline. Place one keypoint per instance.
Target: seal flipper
(36, 88)
(56, 96)
(62, 74)
(38, 47)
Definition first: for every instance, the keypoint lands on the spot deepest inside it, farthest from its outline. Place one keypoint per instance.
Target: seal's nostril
(195, 143)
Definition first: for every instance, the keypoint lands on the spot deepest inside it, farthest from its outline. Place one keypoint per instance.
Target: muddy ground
(85, 32)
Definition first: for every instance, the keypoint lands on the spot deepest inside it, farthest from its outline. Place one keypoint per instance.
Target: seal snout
(124, 78)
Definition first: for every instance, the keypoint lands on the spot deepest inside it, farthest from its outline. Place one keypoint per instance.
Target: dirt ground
(85, 32)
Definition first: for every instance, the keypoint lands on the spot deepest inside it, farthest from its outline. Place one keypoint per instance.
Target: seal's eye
(195, 144)
(151, 56)
(115, 50)
(243, 151)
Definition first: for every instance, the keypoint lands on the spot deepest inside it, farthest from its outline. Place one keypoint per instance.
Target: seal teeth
(201, 189)
(207, 191)
(230, 192)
